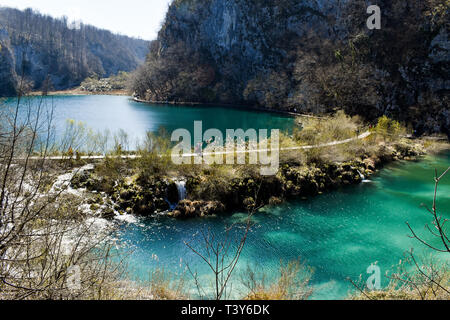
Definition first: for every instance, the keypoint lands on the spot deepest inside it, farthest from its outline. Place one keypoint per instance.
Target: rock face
(192, 209)
(7, 63)
(242, 38)
(267, 53)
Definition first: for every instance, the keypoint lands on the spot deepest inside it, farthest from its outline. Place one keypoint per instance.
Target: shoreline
(226, 105)
(79, 92)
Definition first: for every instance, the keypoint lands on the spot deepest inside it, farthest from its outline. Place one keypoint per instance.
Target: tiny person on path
(199, 149)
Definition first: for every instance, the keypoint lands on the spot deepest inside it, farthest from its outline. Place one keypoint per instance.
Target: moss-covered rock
(90, 181)
(96, 199)
(107, 213)
(142, 200)
(193, 209)
(216, 190)
(274, 201)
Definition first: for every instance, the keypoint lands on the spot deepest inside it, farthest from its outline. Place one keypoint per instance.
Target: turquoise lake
(339, 234)
(112, 113)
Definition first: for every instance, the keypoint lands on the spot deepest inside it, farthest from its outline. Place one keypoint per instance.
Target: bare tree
(438, 221)
(429, 280)
(43, 234)
(222, 256)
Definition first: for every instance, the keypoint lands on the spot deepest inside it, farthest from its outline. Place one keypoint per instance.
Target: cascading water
(181, 186)
(363, 178)
(181, 193)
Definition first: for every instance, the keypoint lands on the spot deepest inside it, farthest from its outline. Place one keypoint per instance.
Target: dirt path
(187, 155)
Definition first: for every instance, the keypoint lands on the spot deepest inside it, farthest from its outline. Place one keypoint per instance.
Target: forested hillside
(311, 56)
(51, 53)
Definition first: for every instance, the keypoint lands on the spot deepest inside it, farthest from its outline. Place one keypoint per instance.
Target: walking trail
(187, 155)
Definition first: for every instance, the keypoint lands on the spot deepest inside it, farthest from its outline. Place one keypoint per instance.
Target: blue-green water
(340, 234)
(112, 113)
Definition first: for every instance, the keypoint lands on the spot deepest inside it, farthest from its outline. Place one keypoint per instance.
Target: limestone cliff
(311, 55)
(242, 38)
(7, 72)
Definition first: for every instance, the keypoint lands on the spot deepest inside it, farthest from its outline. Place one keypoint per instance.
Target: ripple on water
(339, 234)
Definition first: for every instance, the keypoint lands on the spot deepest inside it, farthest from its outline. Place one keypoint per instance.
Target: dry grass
(293, 283)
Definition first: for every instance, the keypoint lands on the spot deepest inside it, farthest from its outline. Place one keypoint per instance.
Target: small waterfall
(181, 186)
(182, 194)
(361, 175)
(363, 178)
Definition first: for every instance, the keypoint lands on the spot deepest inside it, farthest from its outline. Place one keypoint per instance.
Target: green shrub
(389, 129)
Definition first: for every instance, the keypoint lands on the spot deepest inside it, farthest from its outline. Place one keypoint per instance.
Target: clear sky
(137, 18)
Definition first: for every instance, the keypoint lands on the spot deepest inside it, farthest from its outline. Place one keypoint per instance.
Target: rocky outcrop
(129, 197)
(7, 73)
(192, 209)
(133, 198)
(296, 181)
(239, 38)
(266, 53)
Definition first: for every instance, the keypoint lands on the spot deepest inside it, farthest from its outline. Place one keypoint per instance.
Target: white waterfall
(181, 186)
(363, 178)
(361, 175)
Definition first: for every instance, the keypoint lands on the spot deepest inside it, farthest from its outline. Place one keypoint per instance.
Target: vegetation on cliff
(52, 54)
(309, 56)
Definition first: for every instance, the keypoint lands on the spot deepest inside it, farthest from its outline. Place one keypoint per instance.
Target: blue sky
(137, 18)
